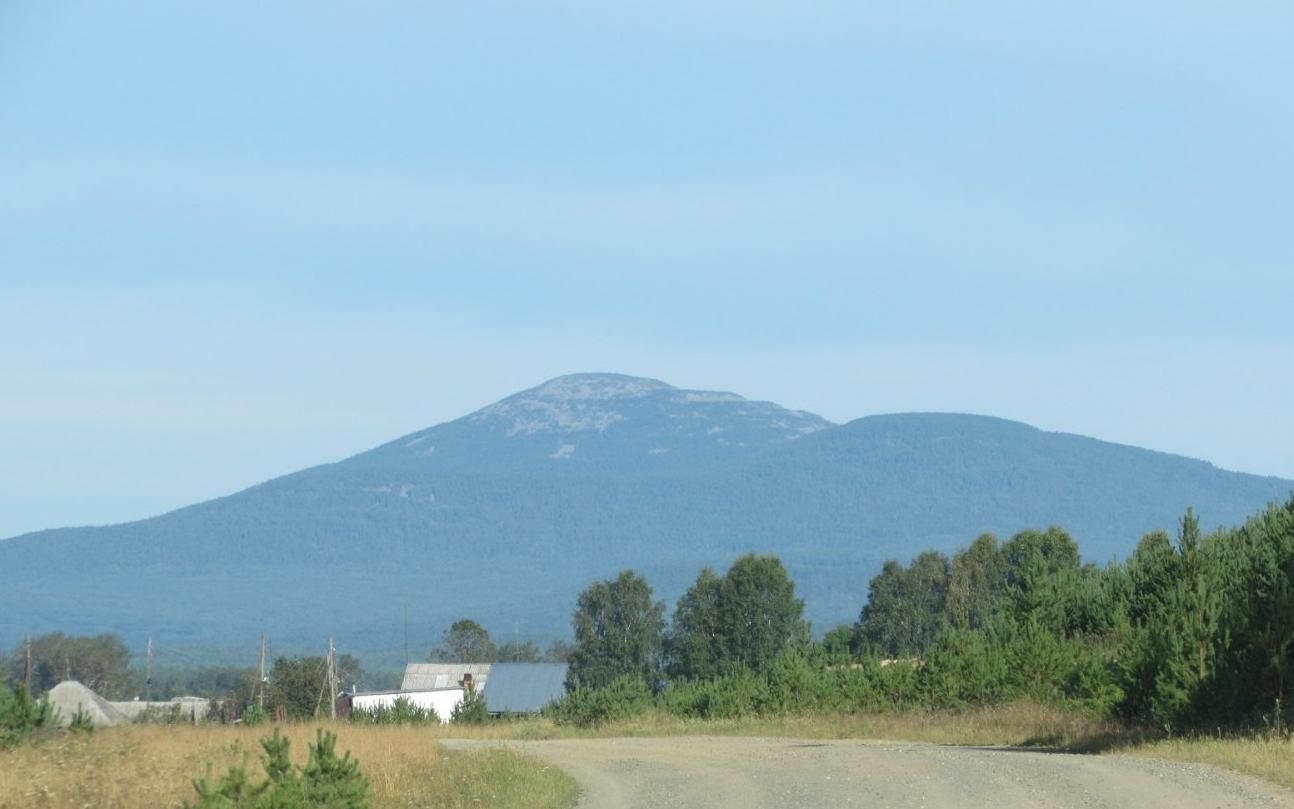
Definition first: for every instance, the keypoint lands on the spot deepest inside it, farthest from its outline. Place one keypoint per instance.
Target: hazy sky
(247, 238)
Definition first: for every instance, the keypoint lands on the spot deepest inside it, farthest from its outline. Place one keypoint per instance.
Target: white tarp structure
(69, 697)
(186, 709)
(442, 700)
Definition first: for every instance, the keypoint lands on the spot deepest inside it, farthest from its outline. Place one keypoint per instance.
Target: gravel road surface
(698, 772)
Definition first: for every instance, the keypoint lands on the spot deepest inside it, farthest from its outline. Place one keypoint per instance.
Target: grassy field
(153, 766)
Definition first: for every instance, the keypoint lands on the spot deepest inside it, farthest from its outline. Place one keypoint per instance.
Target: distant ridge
(504, 515)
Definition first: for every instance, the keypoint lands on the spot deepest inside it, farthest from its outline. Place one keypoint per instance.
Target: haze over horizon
(236, 242)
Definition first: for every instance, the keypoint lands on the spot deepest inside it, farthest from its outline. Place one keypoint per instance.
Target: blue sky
(239, 240)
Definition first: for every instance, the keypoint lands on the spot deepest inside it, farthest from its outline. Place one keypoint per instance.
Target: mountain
(506, 514)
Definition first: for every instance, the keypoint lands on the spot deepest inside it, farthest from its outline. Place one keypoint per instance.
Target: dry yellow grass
(153, 766)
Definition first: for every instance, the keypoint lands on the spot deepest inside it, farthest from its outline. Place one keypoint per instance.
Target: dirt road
(728, 773)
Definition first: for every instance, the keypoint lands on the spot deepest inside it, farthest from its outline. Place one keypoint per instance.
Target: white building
(442, 700)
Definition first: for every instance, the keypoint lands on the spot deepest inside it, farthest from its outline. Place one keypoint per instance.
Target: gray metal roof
(430, 676)
(524, 687)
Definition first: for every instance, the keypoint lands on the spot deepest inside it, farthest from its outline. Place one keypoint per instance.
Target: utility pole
(406, 632)
(332, 680)
(260, 680)
(148, 671)
(27, 670)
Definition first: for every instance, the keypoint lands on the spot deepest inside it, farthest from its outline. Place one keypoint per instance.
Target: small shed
(70, 696)
(425, 676)
(524, 688)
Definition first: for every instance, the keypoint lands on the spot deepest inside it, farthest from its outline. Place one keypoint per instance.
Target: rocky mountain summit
(588, 416)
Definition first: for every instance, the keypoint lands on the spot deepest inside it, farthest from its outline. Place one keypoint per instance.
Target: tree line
(1189, 631)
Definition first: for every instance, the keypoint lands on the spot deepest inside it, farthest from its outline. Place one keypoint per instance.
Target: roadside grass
(1268, 757)
(1016, 724)
(134, 766)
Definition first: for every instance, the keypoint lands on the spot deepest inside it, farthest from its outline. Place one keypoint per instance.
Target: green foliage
(520, 651)
(759, 615)
(253, 715)
(559, 651)
(80, 722)
(906, 607)
(1152, 572)
(465, 641)
(975, 583)
(966, 667)
(401, 712)
(100, 662)
(624, 697)
(21, 715)
(333, 781)
(471, 709)
(327, 781)
(618, 633)
(1257, 571)
(1040, 567)
(297, 684)
(838, 643)
(738, 693)
(694, 648)
(212, 682)
(746, 618)
(233, 790)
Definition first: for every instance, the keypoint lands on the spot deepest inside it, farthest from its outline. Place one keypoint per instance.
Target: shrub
(471, 709)
(625, 697)
(739, 693)
(328, 781)
(798, 683)
(402, 712)
(1092, 683)
(254, 715)
(964, 667)
(80, 722)
(21, 716)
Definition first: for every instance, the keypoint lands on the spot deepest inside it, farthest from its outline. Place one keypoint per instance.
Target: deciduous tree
(465, 641)
(618, 631)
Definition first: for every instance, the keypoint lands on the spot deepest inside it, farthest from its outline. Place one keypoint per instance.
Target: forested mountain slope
(506, 514)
